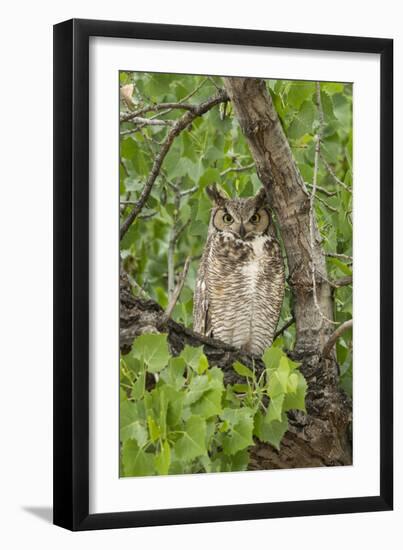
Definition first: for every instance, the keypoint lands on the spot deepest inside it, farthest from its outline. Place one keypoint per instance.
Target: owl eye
(255, 218)
(227, 218)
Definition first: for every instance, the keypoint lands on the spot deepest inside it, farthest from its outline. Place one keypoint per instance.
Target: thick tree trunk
(290, 201)
(322, 436)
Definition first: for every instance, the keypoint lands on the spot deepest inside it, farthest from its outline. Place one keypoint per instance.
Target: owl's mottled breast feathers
(239, 290)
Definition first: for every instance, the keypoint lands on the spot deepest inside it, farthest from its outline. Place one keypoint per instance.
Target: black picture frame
(71, 274)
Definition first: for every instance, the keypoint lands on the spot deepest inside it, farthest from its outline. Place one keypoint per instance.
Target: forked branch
(183, 122)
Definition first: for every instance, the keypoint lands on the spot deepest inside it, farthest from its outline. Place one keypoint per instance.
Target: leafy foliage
(189, 421)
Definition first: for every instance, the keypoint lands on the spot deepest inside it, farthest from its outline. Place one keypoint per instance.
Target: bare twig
(189, 191)
(312, 197)
(284, 327)
(328, 206)
(237, 169)
(175, 234)
(343, 281)
(182, 123)
(335, 336)
(181, 229)
(211, 79)
(340, 256)
(178, 289)
(146, 122)
(322, 190)
(168, 106)
(331, 172)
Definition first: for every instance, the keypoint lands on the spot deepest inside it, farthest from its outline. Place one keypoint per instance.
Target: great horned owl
(240, 282)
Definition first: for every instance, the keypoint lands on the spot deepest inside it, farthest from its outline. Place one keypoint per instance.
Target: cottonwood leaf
(242, 370)
(192, 442)
(153, 349)
(275, 407)
(270, 431)
(302, 121)
(132, 425)
(163, 459)
(209, 404)
(197, 387)
(300, 92)
(192, 356)
(173, 374)
(296, 400)
(271, 357)
(278, 379)
(240, 430)
(136, 462)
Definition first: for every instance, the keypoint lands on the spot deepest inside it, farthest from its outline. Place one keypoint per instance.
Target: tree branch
(182, 123)
(237, 169)
(312, 228)
(335, 336)
(284, 328)
(178, 289)
(146, 122)
(290, 200)
(343, 281)
(340, 256)
(319, 437)
(331, 172)
(157, 107)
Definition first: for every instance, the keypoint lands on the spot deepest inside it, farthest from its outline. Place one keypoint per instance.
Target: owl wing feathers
(201, 315)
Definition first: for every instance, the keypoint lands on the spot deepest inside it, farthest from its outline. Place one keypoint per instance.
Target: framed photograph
(214, 192)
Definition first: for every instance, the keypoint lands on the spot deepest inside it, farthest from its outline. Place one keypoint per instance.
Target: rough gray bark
(322, 436)
(290, 201)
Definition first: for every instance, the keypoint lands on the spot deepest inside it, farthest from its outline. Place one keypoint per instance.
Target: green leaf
(292, 383)
(163, 459)
(197, 228)
(153, 349)
(344, 268)
(192, 356)
(296, 400)
(278, 379)
(275, 407)
(300, 92)
(327, 106)
(203, 364)
(230, 463)
(132, 363)
(175, 401)
(197, 387)
(209, 404)
(153, 428)
(132, 425)
(192, 443)
(302, 122)
(136, 462)
(138, 387)
(271, 357)
(270, 431)
(240, 430)
(173, 374)
(242, 370)
(211, 175)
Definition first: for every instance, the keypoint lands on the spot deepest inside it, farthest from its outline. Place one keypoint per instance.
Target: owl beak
(242, 231)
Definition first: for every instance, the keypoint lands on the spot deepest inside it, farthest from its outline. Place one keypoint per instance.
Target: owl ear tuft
(214, 194)
(261, 198)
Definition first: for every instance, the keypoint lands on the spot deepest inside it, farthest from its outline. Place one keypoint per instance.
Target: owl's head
(244, 218)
